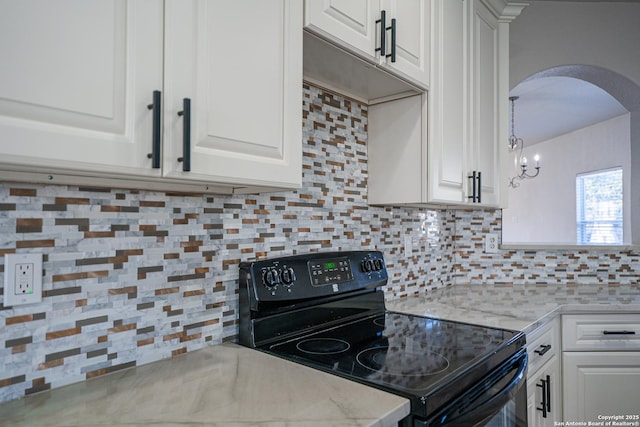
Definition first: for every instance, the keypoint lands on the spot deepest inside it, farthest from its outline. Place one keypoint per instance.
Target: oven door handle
(479, 403)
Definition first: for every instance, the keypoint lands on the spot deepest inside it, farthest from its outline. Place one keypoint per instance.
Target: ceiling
(552, 106)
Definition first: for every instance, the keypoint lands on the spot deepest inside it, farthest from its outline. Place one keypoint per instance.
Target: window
(599, 207)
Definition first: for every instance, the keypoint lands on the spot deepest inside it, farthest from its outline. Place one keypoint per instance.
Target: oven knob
(288, 276)
(367, 265)
(378, 264)
(271, 278)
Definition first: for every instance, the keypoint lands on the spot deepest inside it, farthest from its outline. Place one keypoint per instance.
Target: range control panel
(311, 276)
(329, 271)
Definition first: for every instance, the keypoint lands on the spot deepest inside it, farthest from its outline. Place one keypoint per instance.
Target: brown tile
(99, 234)
(29, 225)
(24, 192)
(47, 243)
(51, 364)
(152, 204)
(62, 333)
(193, 293)
(72, 201)
(179, 351)
(146, 341)
(122, 328)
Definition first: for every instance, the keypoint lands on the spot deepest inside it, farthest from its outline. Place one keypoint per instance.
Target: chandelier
(516, 145)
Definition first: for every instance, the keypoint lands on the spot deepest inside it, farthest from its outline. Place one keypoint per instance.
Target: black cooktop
(327, 311)
(414, 355)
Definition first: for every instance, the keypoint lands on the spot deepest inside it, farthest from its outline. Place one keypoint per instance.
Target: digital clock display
(330, 265)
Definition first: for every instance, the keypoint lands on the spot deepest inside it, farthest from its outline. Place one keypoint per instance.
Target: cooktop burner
(375, 358)
(323, 346)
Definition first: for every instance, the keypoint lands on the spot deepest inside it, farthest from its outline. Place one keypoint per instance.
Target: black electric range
(326, 310)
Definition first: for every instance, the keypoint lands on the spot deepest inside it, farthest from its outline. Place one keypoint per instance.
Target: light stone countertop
(518, 307)
(229, 385)
(223, 385)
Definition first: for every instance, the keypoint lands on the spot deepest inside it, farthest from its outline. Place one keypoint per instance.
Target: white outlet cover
(11, 298)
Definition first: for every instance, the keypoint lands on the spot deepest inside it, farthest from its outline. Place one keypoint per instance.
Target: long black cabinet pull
(186, 135)
(618, 332)
(544, 386)
(156, 106)
(548, 394)
(383, 33)
(476, 185)
(393, 40)
(543, 349)
(472, 177)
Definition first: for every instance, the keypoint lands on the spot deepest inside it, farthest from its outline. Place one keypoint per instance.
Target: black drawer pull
(618, 332)
(543, 349)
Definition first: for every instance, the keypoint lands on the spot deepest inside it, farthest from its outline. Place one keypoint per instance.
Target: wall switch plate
(491, 243)
(22, 279)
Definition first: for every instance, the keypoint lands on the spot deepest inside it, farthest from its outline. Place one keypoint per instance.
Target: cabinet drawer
(601, 332)
(542, 345)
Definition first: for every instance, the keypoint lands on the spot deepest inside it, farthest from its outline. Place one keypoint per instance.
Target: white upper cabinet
(408, 54)
(448, 117)
(461, 142)
(393, 34)
(75, 82)
(240, 65)
(350, 23)
(488, 91)
(465, 138)
(79, 80)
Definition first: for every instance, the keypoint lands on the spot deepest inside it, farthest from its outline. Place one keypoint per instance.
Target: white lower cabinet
(601, 383)
(544, 378)
(601, 365)
(544, 393)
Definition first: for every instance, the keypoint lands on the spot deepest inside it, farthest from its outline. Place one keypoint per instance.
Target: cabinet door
(348, 23)
(600, 383)
(447, 112)
(75, 82)
(413, 23)
(240, 64)
(484, 103)
(544, 386)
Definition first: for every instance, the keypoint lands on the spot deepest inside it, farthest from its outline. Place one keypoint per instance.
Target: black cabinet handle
(472, 177)
(156, 106)
(393, 40)
(543, 349)
(476, 182)
(548, 394)
(186, 135)
(618, 332)
(544, 386)
(383, 33)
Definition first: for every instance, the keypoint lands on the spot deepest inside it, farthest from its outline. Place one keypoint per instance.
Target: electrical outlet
(491, 243)
(22, 279)
(23, 276)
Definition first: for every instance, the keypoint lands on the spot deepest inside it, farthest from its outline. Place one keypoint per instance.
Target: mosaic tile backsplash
(132, 277)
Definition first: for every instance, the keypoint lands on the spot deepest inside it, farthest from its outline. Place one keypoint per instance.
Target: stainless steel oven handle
(483, 406)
